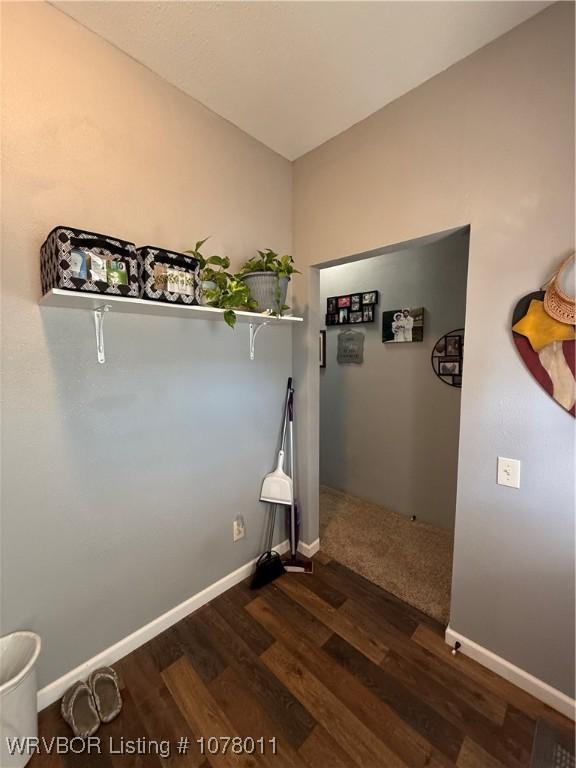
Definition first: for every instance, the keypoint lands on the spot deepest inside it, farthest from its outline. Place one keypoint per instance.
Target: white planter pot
(267, 290)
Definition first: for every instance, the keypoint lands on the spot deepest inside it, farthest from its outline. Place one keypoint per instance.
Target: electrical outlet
(239, 528)
(508, 472)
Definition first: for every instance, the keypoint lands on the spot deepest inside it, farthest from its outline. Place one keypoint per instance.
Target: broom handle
(286, 405)
(272, 526)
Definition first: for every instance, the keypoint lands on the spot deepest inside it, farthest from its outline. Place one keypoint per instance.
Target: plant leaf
(200, 243)
(230, 318)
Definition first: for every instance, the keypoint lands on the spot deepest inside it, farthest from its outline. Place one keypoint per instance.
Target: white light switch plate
(508, 472)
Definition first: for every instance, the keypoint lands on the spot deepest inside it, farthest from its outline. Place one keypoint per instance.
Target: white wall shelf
(99, 304)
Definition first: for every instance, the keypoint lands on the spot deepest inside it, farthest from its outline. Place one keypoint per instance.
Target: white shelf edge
(62, 299)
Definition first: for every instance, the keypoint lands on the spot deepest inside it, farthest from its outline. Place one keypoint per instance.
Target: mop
(294, 563)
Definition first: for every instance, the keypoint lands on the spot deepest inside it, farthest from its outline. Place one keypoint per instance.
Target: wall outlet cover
(239, 528)
(508, 472)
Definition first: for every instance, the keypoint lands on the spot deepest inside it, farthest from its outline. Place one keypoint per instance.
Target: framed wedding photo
(403, 325)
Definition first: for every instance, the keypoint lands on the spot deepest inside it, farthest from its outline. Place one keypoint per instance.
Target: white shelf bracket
(99, 326)
(254, 328)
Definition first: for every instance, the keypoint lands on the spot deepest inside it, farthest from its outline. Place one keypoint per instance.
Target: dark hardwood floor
(339, 672)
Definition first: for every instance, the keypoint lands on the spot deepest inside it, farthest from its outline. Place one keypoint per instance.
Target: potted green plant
(210, 268)
(267, 276)
(229, 293)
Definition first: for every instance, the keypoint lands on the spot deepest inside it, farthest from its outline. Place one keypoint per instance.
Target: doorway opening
(390, 389)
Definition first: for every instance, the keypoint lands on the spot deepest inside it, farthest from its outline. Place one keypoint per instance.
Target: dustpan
(277, 486)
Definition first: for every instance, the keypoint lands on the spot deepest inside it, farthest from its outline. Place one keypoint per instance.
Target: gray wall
(490, 143)
(121, 482)
(389, 427)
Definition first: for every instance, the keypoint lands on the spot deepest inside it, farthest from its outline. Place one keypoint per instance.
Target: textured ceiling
(294, 74)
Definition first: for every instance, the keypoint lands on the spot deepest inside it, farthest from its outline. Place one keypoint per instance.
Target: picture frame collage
(352, 308)
(448, 357)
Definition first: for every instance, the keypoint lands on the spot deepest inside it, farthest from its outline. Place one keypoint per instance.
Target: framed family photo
(449, 366)
(403, 325)
(453, 345)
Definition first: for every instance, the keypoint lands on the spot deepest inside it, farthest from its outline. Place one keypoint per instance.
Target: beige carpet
(413, 560)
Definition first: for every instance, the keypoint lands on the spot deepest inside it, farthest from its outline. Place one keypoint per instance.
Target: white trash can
(18, 709)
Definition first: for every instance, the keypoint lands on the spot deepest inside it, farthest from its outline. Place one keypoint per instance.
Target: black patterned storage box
(77, 260)
(168, 276)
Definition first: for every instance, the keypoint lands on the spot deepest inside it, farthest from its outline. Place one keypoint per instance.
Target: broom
(269, 565)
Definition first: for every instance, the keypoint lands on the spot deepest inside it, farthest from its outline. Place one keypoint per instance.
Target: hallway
(412, 560)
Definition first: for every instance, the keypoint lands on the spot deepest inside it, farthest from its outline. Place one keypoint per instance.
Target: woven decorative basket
(66, 259)
(557, 303)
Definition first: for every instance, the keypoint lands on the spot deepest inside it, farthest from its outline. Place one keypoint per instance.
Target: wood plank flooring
(340, 673)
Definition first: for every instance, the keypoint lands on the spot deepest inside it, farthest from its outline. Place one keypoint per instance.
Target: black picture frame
(370, 297)
(449, 366)
(322, 349)
(453, 343)
(351, 308)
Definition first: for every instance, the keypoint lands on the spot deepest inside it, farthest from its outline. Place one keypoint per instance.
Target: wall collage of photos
(351, 308)
(402, 325)
(447, 357)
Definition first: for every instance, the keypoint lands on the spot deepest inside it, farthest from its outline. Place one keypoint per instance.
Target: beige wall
(113, 504)
(490, 143)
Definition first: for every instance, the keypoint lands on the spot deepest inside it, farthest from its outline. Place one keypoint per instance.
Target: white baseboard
(538, 688)
(53, 691)
(309, 550)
